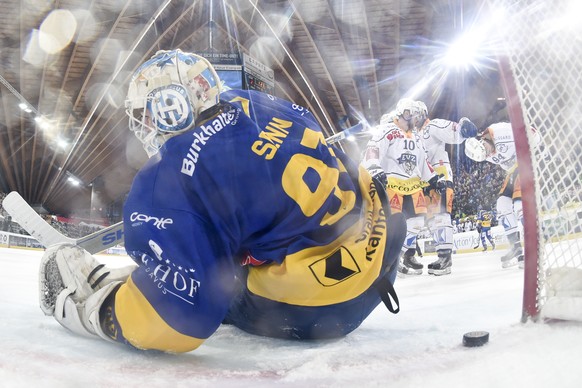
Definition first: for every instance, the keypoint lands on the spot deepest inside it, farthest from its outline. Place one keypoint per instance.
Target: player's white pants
(413, 227)
(442, 231)
(510, 214)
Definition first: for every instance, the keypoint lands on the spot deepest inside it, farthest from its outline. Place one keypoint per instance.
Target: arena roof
(68, 63)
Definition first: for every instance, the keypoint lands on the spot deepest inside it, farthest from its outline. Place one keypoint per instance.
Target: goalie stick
(359, 128)
(24, 214)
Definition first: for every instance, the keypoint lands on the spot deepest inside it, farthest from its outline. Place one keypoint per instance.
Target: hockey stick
(38, 228)
(359, 128)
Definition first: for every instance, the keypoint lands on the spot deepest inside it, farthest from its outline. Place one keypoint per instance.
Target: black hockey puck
(475, 338)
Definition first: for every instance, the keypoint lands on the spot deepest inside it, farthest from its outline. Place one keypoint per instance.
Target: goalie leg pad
(82, 318)
(74, 285)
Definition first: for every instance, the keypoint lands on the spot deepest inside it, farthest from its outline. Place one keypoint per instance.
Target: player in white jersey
(435, 135)
(395, 155)
(496, 145)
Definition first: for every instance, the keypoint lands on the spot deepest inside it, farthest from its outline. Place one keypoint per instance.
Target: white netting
(543, 42)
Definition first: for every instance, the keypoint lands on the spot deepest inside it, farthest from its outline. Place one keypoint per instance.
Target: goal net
(541, 69)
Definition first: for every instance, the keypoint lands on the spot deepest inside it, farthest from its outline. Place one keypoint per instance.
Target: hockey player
(396, 156)
(478, 227)
(484, 221)
(435, 135)
(238, 177)
(496, 145)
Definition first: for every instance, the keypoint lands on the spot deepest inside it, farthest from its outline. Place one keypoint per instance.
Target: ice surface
(419, 347)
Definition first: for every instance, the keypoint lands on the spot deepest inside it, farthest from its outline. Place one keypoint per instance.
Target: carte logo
(159, 223)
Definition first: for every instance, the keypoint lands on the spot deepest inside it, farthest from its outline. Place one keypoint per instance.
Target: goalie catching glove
(73, 287)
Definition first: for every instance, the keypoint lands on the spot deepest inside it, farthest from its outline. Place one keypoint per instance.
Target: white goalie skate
(73, 285)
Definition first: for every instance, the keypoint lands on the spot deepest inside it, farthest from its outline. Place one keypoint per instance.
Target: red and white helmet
(167, 93)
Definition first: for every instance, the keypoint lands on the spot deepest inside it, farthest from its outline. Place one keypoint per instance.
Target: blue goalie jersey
(252, 219)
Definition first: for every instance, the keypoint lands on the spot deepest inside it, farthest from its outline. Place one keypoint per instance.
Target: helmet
(386, 118)
(475, 149)
(422, 113)
(167, 93)
(406, 108)
(468, 129)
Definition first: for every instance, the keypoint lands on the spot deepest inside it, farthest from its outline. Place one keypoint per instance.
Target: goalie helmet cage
(541, 70)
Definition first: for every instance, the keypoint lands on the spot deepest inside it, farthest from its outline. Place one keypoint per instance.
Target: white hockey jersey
(435, 136)
(502, 136)
(402, 157)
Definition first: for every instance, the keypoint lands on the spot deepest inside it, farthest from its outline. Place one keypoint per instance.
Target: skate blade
(509, 263)
(441, 272)
(411, 272)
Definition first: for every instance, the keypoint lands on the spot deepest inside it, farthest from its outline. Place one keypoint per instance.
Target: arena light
(477, 46)
(72, 179)
(62, 143)
(24, 107)
(473, 50)
(464, 52)
(43, 123)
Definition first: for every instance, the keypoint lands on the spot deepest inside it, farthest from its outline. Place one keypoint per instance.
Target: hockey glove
(73, 287)
(468, 129)
(378, 174)
(437, 183)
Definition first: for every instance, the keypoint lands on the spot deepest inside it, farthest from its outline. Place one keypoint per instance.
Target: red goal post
(541, 70)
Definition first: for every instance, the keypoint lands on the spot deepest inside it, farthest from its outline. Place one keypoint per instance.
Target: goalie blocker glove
(73, 287)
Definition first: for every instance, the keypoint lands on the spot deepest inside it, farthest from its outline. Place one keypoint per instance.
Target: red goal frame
(530, 309)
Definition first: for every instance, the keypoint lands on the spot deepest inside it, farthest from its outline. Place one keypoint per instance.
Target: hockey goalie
(242, 215)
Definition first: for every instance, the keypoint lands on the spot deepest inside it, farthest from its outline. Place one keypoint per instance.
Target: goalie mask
(167, 93)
